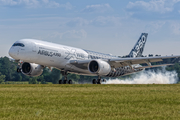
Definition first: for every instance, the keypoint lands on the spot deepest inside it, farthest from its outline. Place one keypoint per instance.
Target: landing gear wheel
(99, 81)
(18, 70)
(104, 80)
(60, 81)
(65, 82)
(94, 81)
(70, 82)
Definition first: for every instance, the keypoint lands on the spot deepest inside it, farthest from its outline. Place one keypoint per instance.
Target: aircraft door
(33, 50)
(21, 52)
(33, 47)
(18, 51)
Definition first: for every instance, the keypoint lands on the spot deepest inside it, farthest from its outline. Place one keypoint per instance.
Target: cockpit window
(19, 44)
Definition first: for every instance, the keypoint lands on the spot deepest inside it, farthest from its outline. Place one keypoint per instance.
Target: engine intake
(32, 69)
(93, 66)
(99, 67)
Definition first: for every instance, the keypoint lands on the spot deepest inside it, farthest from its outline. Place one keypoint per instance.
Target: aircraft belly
(79, 70)
(118, 71)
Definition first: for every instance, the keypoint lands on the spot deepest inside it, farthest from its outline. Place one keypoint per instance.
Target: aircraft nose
(12, 53)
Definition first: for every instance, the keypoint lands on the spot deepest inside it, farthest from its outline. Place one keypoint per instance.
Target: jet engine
(31, 69)
(99, 67)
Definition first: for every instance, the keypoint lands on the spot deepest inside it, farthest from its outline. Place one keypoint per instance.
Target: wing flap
(140, 60)
(153, 66)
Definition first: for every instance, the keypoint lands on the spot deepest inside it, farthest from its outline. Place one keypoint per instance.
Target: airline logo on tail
(139, 46)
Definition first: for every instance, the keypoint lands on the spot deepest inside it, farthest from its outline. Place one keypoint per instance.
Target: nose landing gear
(19, 66)
(18, 70)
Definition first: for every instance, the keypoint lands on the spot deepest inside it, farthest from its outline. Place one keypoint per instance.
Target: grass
(15, 82)
(88, 102)
(21, 82)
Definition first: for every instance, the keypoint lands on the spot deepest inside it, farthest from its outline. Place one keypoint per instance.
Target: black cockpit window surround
(18, 44)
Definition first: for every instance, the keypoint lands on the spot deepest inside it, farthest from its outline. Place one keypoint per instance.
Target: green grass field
(79, 102)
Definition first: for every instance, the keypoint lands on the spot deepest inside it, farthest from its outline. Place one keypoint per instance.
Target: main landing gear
(65, 81)
(98, 81)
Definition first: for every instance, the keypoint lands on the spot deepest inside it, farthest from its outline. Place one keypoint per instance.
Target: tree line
(8, 72)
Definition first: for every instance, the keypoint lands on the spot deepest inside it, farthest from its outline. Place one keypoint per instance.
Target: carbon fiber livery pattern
(122, 71)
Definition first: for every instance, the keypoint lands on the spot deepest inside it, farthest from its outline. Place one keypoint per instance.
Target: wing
(115, 63)
(121, 62)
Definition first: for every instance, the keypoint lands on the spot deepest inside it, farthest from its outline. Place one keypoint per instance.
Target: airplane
(34, 55)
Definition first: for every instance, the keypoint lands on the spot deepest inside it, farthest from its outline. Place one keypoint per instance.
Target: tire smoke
(149, 77)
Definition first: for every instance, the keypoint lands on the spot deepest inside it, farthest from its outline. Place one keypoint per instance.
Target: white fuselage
(54, 55)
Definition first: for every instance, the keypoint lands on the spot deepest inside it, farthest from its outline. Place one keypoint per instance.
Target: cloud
(71, 34)
(159, 6)
(67, 6)
(78, 22)
(106, 21)
(175, 26)
(154, 27)
(154, 9)
(11, 3)
(99, 21)
(34, 4)
(97, 8)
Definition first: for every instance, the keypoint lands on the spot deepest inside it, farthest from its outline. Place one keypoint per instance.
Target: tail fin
(139, 46)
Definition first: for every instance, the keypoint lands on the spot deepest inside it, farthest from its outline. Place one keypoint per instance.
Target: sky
(107, 26)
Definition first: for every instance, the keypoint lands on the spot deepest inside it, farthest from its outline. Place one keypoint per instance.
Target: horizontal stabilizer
(153, 66)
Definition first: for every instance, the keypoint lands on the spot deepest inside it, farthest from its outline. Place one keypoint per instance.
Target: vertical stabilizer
(138, 49)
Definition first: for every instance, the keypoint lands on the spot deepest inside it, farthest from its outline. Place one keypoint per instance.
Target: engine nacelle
(99, 67)
(31, 69)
